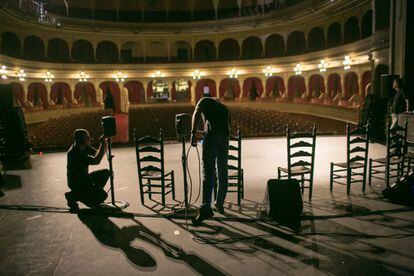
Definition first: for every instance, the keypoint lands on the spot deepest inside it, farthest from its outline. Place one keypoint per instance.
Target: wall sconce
(197, 74)
(347, 63)
(3, 72)
(268, 71)
(298, 69)
(49, 77)
(21, 75)
(158, 74)
(120, 76)
(323, 65)
(233, 73)
(83, 77)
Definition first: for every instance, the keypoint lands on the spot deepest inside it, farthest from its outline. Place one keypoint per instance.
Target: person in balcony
(215, 150)
(400, 102)
(85, 187)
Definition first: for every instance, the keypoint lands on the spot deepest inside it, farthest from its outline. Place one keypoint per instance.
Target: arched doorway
(205, 87)
(205, 50)
(316, 85)
(275, 87)
(107, 52)
(275, 46)
(37, 95)
(351, 30)
(11, 45)
(334, 85)
(296, 87)
(85, 94)
(136, 92)
(57, 50)
(229, 89)
(296, 43)
(316, 39)
(82, 51)
(366, 25)
(34, 48)
(229, 49)
(18, 94)
(351, 85)
(252, 47)
(252, 88)
(111, 89)
(61, 94)
(334, 37)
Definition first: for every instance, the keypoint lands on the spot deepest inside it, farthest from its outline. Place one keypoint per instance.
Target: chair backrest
(301, 149)
(149, 154)
(357, 144)
(396, 140)
(234, 159)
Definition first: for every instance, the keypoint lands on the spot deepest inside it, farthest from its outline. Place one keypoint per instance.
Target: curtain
(316, 85)
(199, 90)
(135, 89)
(273, 83)
(18, 93)
(41, 91)
(334, 85)
(150, 90)
(296, 87)
(61, 86)
(173, 92)
(351, 85)
(366, 79)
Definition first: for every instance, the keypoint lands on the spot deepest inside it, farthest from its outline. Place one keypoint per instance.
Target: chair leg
(163, 192)
(242, 179)
(387, 175)
(239, 190)
(331, 178)
(348, 181)
(364, 178)
(149, 189)
(310, 187)
(173, 185)
(302, 183)
(278, 173)
(141, 193)
(370, 172)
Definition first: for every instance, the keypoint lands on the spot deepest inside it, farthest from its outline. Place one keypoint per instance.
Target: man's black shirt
(78, 162)
(216, 116)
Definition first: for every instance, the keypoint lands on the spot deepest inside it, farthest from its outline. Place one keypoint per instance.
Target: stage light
(120, 76)
(298, 69)
(158, 74)
(347, 63)
(21, 75)
(233, 73)
(3, 72)
(322, 66)
(197, 74)
(48, 76)
(83, 77)
(268, 71)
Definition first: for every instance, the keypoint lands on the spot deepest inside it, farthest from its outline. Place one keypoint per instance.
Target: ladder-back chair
(301, 157)
(151, 171)
(355, 168)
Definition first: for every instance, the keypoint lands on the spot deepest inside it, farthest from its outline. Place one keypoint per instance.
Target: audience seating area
(56, 134)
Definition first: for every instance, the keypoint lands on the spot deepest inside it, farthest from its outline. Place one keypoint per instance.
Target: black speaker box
(285, 199)
(183, 124)
(109, 126)
(6, 96)
(402, 191)
(386, 85)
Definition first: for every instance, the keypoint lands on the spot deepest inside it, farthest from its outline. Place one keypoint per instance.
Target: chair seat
(410, 155)
(384, 160)
(234, 174)
(153, 175)
(354, 165)
(298, 170)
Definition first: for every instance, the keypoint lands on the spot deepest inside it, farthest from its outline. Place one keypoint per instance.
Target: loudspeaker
(14, 143)
(6, 96)
(183, 124)
(285, 199)
(386, 85)
(109, 126)
(402, 191)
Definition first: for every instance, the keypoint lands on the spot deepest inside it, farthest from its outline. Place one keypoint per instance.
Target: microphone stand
(113, 205)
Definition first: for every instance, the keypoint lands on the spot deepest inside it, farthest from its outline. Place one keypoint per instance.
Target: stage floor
(362, 234)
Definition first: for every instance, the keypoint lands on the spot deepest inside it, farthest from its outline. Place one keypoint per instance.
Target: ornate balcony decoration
(347, 63)
(21, 75)
(233, 73)
(197, 74)
(268, 71)
(83, 77)
(323, 65)
(298, 69)
(3, 72)
(119, 76)
(48, 76)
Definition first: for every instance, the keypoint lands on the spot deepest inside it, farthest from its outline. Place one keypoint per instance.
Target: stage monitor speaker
(6, 96)
(386, 85)
(285, 199)
(402, 191)
(109, 126)
(183, 124)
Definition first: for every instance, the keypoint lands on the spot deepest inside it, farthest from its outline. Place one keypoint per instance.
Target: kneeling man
(85, 187)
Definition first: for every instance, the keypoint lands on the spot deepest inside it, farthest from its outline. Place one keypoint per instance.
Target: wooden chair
(235, 171)
(151, 171)
(409, 155)
(393, 164)
(301, 156)
(355, 168)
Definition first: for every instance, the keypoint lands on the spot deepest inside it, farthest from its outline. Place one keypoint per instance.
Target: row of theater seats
(57, 133)
(355, 100)
(254, 122)
(30, 107)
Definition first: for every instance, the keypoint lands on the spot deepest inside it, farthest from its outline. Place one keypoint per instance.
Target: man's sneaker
(72, 203)
(203, 214)
(219, 208)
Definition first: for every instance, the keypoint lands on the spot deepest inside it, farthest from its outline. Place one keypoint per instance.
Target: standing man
(85, 187)
(216, 118)
(400, 102)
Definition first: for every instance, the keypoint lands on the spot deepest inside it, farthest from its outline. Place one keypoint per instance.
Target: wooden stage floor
(362, 234)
